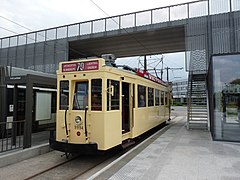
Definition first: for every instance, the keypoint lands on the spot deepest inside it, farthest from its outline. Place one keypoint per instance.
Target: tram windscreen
(80, 100)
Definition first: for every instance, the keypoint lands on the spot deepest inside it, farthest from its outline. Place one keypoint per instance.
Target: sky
(43, 14)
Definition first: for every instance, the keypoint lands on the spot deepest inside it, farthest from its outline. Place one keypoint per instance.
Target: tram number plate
(79, 127)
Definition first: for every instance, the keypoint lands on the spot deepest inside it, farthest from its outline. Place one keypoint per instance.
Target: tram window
(141, 96)
(80, 100)
(64, 94)
(156, 97)
(133, 96)
(162, 97)
(113, 97)
(150, 96)
(166, 99)
(96, 95)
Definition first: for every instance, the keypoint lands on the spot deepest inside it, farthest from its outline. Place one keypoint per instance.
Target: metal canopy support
(29, 80)
(145, 63)
(15, 95)
(27, 140)
(3, 95)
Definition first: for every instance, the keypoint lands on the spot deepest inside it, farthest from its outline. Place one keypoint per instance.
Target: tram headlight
(78, 120)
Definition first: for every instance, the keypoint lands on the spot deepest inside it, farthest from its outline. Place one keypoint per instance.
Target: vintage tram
(100, 106)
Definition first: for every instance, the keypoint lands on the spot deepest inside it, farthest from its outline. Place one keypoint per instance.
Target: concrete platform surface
(40, 146)
(179, 153)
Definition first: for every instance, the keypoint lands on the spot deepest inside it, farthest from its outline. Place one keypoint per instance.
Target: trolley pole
(145, 63)
(167, 68)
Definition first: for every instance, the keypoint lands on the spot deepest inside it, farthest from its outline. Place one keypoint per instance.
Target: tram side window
(64, 95)
(150, 96)
(113, 97)
(156, 97)
(166, 99)
(80, 100)
(141, 96)
(133, 96)
(96, 95)
(162, 97)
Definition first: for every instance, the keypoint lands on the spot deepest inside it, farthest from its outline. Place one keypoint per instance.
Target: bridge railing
(130, 20)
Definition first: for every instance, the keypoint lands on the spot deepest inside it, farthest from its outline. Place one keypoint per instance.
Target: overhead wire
(8, 30)
(131, 35)
(80, 53)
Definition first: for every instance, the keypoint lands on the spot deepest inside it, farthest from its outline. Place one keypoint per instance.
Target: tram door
(126, 107)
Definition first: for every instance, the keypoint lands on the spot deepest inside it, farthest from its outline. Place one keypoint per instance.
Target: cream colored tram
(100, 106)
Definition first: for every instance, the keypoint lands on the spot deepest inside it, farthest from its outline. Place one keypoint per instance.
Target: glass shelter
(224, 77)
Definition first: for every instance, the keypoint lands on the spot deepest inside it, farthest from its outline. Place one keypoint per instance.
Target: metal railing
(124, 21)
(11, 135)
(147, 17)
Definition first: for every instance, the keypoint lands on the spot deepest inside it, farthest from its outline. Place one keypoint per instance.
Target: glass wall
(226, 97)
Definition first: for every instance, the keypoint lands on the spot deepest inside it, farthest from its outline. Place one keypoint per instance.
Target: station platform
(40, 146)
(177, 153)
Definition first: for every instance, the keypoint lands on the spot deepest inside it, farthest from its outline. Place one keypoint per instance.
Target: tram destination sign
(80, 66)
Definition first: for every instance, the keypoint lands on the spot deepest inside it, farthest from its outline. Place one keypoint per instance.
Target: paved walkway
(179, 154)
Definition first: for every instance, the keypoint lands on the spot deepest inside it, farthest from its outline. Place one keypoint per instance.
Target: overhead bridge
(182, 27)
(200, 28)
(134, 41)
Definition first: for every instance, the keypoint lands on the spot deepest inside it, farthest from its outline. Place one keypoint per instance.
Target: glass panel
(162, 98)
(143, 18)
(219, 6)
(13, 41)
(226, 93)
(133, 86)
(41, 36)
(112, 24)
(198, 9)
(235, 5)
(156, 97)
(5, 42)
(178, 12)
(99, 26)
(96, 95)
(80, 100)
(113, 95)
(61, 32)
(31, 38)
(150, 97)
(85, 28)
(73, 30)
(64, 95)
(127, 21)
(141, 96)
(166, 99)
(161, 15)
(51, 34)
(22, 40)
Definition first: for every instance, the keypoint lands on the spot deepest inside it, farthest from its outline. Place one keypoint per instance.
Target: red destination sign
(80, 66)
(150, 77)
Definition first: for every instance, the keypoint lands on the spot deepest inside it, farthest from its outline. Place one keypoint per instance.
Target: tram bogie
(100, 106)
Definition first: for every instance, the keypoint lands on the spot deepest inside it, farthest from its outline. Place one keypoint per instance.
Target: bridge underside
(138, 43)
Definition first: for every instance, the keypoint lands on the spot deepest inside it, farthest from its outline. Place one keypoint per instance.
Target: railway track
(75, 167)
(72, 168)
